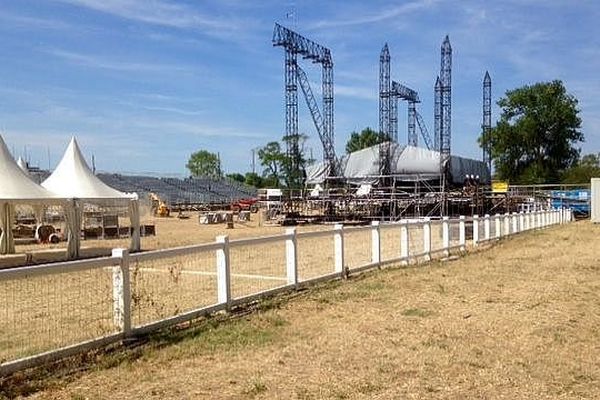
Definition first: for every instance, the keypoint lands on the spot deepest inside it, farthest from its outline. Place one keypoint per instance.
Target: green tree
(254, 179)
(587, 168)
(204, 163)
(534, 140)
(279, 166)
(236, 176)
(272, 159)
(294, 166)
(366, 138)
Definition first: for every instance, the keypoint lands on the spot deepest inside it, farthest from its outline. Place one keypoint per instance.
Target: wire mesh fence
(169, 285)
(315, 256)
(257, 267)
(43, 312)
(357, 246)
(49, 307)
(390, 241)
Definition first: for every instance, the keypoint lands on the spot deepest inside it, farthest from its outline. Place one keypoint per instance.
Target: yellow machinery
(159, 207)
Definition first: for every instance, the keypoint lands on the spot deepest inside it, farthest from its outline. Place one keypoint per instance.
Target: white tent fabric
(16, 187)
(73, 216)
(134, 218)
(23, 165)
(7, 243)
(74, 179)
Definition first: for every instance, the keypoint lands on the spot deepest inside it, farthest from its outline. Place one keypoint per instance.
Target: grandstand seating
(173, 191)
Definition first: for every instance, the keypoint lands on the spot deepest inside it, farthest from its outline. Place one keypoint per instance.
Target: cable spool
(53, 238)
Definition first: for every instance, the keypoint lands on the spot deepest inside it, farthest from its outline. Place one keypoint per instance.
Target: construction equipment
(159, 207)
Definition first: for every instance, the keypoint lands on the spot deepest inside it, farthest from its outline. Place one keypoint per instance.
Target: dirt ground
(170, 232)
(517, 321)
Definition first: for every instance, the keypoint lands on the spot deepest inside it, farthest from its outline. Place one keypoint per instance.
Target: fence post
(521, 222)
(536, 219)
(486, 227)
(498, 227)
(375, 242)
(223, 272)
(338, 248)
(122, 292)
(427, 238)
(506, 224)
(461, 233)
(291, 257)
(445, 236)
(515, 226)
(475, 229)
(404, 240)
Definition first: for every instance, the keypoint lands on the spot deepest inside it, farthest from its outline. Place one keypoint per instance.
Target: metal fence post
(404, 240)
(223, 272)
(291, 257)
(486, 227)
(445, 236)
(338, 245)
(461, 233)
(375, 243)
(427, 238)
(122, 292)
(475, 229)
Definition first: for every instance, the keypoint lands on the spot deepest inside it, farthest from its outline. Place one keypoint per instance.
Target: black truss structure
(487, 117)
(445, 100)
(437, 115)
(386, 110)
(424, 131)
(294, 45)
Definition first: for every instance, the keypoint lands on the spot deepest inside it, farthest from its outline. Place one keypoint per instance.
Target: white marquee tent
(16, 188)
(73, 179)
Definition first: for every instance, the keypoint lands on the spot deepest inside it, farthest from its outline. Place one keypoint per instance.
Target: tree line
(534, 141)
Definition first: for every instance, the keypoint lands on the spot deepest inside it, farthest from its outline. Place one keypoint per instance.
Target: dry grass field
(170, 232)
(517, 321)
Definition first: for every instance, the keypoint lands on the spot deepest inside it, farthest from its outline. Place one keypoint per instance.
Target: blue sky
(143, 83)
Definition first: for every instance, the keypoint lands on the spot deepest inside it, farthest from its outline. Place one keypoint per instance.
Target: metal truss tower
(437, 115)
(487, 117)
(294, 45)
(413, 138)
(384, 92)
(446, 99)
(401, 92)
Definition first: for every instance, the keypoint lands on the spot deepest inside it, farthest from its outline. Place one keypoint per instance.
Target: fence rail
(56, 310)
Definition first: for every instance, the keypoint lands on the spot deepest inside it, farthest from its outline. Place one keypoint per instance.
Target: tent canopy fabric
(408, 163)
(74, 179)
(15, 184)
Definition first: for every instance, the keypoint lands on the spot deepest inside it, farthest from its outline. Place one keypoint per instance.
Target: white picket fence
(56, 310)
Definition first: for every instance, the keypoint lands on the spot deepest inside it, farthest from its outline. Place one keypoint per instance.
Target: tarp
(407, 163)
(74, 179)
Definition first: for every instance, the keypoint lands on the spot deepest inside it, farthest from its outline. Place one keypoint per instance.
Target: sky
(142, 84)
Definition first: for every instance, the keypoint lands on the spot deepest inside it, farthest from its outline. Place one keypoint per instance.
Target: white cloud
(378, 16)
(95, 61)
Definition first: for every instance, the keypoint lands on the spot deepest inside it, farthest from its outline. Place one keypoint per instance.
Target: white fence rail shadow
(55, 310)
